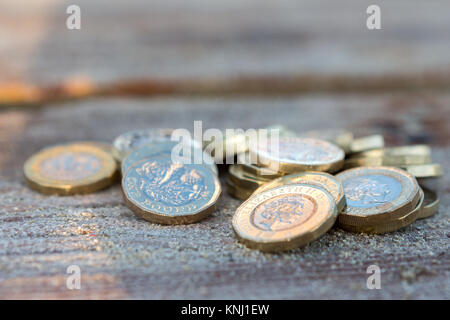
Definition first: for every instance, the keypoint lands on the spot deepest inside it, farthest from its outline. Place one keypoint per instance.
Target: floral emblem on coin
(71, 166)
(370, 191)
(173, 184)
(283, 212)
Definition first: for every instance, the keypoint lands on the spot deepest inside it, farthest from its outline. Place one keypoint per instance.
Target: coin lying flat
(341, 138)
(432, 170)
(236, 175)
(375, 195)
(324, 180)
(366, 143)
(165, 149)
(387, 160)
(412, 150)
(74, 168)
(131, 140)
(299, 154)
(430, 203)
(392, 225)
(236, 191)
(285, 217)
(245, 161)
(164, 192)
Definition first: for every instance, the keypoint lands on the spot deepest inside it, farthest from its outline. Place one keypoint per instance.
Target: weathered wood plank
(121, 256)
(199, 39)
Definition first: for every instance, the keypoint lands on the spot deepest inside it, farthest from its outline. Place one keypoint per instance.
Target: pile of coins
(315, 180)
(374, 189)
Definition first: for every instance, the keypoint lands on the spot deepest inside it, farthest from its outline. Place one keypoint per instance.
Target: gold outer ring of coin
(366, 143)
(237, 191)
(387, 160)
(398, 207)
(431, 203)
(432, 170)
(323, 179)
(160, 218)
(300, 234)
(103, 178)
(412, 150)
(254, 169)
(287, 166)
(236, 175)
(392, 225)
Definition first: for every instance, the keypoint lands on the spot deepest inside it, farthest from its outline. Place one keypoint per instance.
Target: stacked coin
(164, 181)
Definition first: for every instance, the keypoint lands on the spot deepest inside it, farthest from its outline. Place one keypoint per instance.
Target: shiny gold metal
(297, 154)
(74, 168)
(375, 195)
(432, 170)
(236, 175)
(243, 160)
(322, 179)
(366, 143)
(430, 204)
(392, 225)
(236, 191)
(340, 137)
(412, 150)
(387, 160)
(285, 217)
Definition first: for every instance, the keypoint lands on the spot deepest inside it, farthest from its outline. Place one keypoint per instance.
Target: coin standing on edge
(164, 192)
(74, 168)
(430, 204)
(375, 195)
(285, 217)
(323, 179)
(300, 154)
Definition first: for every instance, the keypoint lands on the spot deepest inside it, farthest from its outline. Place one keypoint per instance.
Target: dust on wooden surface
(122, 256)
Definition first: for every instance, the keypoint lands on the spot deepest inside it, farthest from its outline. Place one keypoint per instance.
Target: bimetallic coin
(395, 161)
(285, 217)
(366, 143)
(430, 203)
(129, 141)
(164, 192)
(432, 170)
(375, 195)
(164, 149)
(299, 154)
(392, 225)
(324, 180)
(74, 168)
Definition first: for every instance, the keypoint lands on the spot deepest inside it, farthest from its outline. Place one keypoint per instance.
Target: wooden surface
(122, 256)
(320, 49)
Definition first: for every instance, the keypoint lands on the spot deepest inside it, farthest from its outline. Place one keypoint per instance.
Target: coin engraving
(70, 166)
(283, 212)
(162, 186)
(371, 190)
